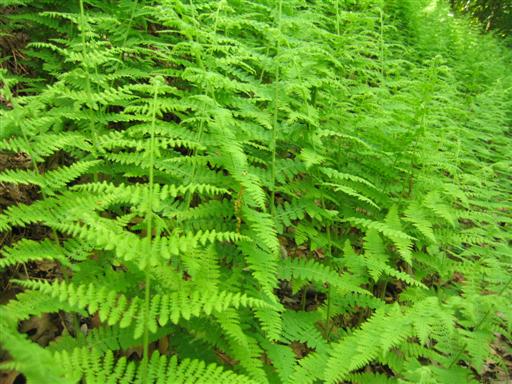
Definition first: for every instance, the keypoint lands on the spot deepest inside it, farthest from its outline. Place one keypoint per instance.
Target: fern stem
(208, 92)
(54, 235)
(36, 171)
(328, 313)
(329, 292)
(338, 17)
(92, 127)
(34, 164)
(125, 38)
(130, 20)
(262, 73)
(149, 231)
(382, 46)
(145, 354)
(276, 110)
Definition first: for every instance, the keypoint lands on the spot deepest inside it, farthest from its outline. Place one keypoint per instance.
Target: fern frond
(161, 369)
(314, 271)
(115, 308)
(398, 237)
(29, 250)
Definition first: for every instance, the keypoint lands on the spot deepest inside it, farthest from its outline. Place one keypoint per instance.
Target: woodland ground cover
(253, 192)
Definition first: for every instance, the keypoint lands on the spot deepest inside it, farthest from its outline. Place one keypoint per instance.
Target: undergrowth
(202, 168)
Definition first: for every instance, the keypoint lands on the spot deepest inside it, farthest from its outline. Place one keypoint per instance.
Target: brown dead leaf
(163, 345)
(300, 349)
(458, 277)
(225, 358)
(10, 377)
(41, 329)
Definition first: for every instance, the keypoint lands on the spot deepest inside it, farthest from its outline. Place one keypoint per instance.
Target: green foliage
(202, 169)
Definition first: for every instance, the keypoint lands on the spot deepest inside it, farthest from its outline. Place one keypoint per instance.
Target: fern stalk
(149, 230)
(276, 109)
(125, 39)
(208, 92)
(130, 20)
(55, 236)
(92, 127)
(329, 290)
(30, 154)
(338, 18)
(382, 46)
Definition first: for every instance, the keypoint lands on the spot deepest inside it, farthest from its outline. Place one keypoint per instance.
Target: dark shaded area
(495, 15)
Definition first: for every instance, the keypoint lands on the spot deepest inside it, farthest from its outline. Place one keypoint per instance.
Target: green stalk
(329, 293)
(338, 18)
(149, 230)
(15, 105)
(208, 92)
(382, 47)
(36, 172)
(54, 235)
(130, 20)
(92, 127)
(125, 38)
(276, 110)
(328, 313)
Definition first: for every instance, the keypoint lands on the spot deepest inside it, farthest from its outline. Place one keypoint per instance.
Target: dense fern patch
(255, 192)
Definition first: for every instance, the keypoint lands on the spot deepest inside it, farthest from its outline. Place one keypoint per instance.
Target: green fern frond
(398, 237)
(115, 308)
(314, 271)
(36, 363)
(29, 250)
(161, 369)
(357, 350)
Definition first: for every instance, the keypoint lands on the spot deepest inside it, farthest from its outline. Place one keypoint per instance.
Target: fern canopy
(253, 192)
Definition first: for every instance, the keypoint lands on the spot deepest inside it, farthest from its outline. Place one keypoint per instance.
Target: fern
(184, 164)
(160, 369)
